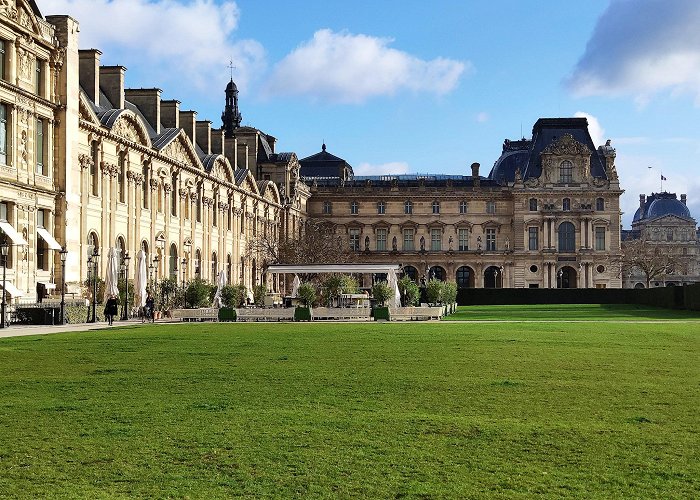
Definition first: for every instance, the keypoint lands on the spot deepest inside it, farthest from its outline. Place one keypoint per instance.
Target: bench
(415, 313)
(342, 313)
(259, 314)
(201, 314)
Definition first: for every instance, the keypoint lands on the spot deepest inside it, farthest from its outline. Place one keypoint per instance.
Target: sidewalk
(23, 330)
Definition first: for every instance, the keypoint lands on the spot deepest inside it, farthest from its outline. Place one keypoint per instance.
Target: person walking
(111, 309)
(148, 308)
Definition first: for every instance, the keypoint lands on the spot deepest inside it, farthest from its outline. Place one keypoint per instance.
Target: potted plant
(307, 294)
(381, 292)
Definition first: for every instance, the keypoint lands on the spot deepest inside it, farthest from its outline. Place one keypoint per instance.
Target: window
(408, 208)
(354, 208)
(566, 204)
(215, 266)
(172, 262)
(2, 59)
(463, 240)
(381, 239)
(490, 240)
(42, 248)
(435, 240)
(214, 210)
(669, 234)
(121, 178)
(3, 134)
(327, 208)
(355, 240)
(490, 207)
(533, 204)
(409, 235)
(381, 208)
(567, 237)
(173, 195)
(436, 207)
(41, 167)
(600, 238)
(39, 77)
(199, 202)
(566, 169)
(229, 218)
(462, 207)
(464, 277)
(600, 204)
(94, 168)
(3, 211)
(532, 233)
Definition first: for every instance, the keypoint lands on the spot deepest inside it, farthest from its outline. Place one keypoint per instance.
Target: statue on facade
(422, 243)
(393, 244)
(450, 243)
(366, 243)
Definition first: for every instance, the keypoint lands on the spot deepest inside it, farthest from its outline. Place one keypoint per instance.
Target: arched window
(567, 237)
(121, 246)
(215, 209)
(198, 263)
(566, 204)
(229, 269)
(436, 273)
(465, 277)
(354, 207)
(94, 168)
(172, 263)
(600, 204)
(493, 277)
(199, 202)
(121, 178)
(214, 266)
(408, 207)
(566, 169)
(533, 204)
(436, 207)
(145, 191)
(144, 247)
(173, 195)
(411, 272)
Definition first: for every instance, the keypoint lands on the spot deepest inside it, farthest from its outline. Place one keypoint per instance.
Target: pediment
(271, 194)
(128, 126)
(85, 111)
(566, 145)
(222, 170)
(180, 149)
(249, 184)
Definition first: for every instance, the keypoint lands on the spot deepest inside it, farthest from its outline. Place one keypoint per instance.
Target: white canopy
(11, 233)
(46, 236)
(140, 280)
(11, 289)
(112, 273)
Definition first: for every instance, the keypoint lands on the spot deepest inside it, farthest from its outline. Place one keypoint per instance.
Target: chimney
(475, 174)
(204, 136)
(188, 123)
(642, 201)
(231, 151)
(89, 73)
(217, 141)
(170, 113)
(684, 199)
(148, 101)
(242, 157)
(112, 84)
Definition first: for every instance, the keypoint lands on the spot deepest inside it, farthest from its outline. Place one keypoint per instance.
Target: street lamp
(150, 275)
(560, 273)
(95, 255)
(63, 253)
(156, 260)
(89, 280)
(184, 271)
(125, 268)
(4, 249)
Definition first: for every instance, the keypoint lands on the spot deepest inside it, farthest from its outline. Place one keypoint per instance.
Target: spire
(231, 117)
(323, 146)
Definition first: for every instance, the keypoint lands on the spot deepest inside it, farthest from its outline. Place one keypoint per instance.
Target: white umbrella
(140, 280)
(112, 273)
(295, 286)
(394, 283)
(220, 283)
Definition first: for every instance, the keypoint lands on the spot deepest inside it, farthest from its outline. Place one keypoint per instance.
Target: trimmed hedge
(380, 313)
(227, 314)
(302, 314)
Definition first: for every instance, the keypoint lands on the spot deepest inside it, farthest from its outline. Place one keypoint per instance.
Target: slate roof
(659, 205)
(324, 164)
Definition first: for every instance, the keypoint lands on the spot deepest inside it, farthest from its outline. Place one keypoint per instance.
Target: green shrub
(259, 292)
(233, 295)
(381, 313)
(302, 314)
(449, 292)
(382, 292)
(410, 291)
(434, 291)
(307, 293)
(227, 314)
(198, 294)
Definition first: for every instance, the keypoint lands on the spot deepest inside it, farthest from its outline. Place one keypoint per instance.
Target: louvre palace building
(88, 165)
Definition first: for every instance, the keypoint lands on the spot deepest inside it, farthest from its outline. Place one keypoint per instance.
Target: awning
(11, 289)
(48, 286)
(11, 233)
(53, 244)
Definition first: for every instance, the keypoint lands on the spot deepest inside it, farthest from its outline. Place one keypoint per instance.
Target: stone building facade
(547, 215)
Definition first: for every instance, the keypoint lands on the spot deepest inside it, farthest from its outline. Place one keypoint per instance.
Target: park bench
(260, 314)
(342, 313)
(415, 313)
(201, 314)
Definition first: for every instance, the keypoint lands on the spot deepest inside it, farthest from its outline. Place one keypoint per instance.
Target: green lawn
(429, 410)
(570, 312)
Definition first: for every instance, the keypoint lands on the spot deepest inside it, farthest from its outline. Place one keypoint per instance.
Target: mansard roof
(324, 164)
(660, 205)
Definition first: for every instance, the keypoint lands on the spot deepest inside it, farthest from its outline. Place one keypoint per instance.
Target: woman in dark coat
(111, 308)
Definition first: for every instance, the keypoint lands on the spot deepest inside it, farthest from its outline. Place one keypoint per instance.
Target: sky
(406, 86)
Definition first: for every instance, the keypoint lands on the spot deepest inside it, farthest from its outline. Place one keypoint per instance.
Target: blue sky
(408, 86)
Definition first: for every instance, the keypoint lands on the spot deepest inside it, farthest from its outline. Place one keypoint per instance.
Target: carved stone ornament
(130, 176)
(167, 188)
(566, 145)
(109, 169)
(23, 19)
(138, 178)
(154, 184)
(126, 130)
(25, 59)
(532, 182)
(8, 9)
(599, 182)
(193, 197)
(183, 193)
(85, 161)
(177, 151)
(58, 56)
(223, 206)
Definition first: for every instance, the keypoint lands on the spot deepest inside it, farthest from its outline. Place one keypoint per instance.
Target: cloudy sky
(402, 86)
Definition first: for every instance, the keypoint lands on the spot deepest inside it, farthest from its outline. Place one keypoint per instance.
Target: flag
(663, 178)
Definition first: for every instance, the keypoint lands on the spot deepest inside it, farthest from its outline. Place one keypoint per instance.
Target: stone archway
(567, 277)
(493, 277)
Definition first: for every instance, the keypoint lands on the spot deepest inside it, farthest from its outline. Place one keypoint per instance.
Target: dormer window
(566, 204)
(566, 169)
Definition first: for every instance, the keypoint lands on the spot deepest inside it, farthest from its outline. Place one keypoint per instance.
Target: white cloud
(594, 128)
(188, 43)
(347, 68)
(482, 117)
(640, 48)
(390, 168)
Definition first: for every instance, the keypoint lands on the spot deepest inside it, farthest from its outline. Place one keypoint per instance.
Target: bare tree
(652, 260)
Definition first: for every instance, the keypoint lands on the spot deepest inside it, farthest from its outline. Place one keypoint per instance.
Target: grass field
(432, 410)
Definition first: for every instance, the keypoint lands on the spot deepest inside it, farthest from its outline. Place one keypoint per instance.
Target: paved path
(22, 330)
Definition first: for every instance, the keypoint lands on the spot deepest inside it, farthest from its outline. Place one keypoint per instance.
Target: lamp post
(63, 253)
(156, 260)
(184, 271)
(89, 280)
(150, 275)
(95, 255)
(559, 278)
(125, 264)
(4, 249)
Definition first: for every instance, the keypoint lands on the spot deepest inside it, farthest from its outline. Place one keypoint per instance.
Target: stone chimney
(89, 73)
(642, 201)
(684, 199)
(204, 136)
(188, 123)
(217, 141)
(170, 114)
(112, 84)
(475, 174)
(148, 101)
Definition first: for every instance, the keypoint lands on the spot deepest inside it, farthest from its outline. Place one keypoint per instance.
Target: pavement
(23, 330)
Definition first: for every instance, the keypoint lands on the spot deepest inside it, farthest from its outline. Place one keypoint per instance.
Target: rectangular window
(3, 211)
(327, 208)
(533, 204)
(490, 207)
(600, 238)
(463, 240)
(381, 208)
(40, 218)
(491, 240)
(409, 235)
(42, 248)
(2, 60)
(3, 134)
(355, 240)
(39, 77)
(462, 207)
(533, 244)
(381, 240)
(121, 179)
(94, 169)
(40, 147)
(435, 240)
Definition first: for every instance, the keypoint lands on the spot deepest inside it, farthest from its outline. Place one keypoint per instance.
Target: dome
(231, 87)
(667, 205)
(504, 168)
(638, 215)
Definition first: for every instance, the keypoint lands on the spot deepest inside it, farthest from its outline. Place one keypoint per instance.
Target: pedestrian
(148, 308)
(111, 309)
